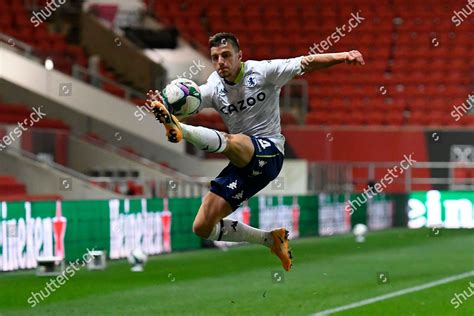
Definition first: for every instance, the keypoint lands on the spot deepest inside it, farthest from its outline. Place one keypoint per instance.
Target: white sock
(229, 230)
(204, 138)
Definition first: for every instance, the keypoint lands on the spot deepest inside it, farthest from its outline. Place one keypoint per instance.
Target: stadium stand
(403, 82)
(14, 113)
(15, 22)
(417, 67)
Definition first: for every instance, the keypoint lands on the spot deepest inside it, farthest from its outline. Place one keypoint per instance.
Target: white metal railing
(347, 176)
(97, 80)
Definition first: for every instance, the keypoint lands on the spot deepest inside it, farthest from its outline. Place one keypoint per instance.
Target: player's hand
(354, 57)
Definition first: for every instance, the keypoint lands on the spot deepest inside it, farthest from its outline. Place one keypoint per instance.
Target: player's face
(226, 61)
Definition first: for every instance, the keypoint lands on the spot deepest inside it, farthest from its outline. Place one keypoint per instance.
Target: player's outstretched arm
(321, 61)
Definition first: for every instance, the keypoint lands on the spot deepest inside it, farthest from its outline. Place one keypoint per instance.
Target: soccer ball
(182, 97)
(137, 258)
(360, 230)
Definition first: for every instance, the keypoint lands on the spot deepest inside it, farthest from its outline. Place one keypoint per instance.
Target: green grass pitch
(327, 273)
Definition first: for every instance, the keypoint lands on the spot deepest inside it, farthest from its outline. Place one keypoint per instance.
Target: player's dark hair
(219, 39)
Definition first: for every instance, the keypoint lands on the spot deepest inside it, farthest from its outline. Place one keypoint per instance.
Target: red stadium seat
(418, 118)
(374, 118)
(394, 118)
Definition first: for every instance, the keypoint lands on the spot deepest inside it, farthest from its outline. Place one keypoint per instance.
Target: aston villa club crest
(250, 81)
(222, 92)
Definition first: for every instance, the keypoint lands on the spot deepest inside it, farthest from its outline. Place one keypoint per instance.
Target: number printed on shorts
(264, 143)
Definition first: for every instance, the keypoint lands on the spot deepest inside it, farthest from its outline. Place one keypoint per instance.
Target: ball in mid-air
(182, 97)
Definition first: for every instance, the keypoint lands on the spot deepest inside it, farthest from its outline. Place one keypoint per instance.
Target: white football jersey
(252, 106)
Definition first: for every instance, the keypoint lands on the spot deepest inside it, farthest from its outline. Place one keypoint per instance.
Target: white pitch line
(395, 294)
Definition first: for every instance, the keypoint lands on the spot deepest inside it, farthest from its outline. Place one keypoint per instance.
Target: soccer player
(246, 95)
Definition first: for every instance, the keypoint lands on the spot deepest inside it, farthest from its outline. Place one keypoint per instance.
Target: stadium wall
(366, 144)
